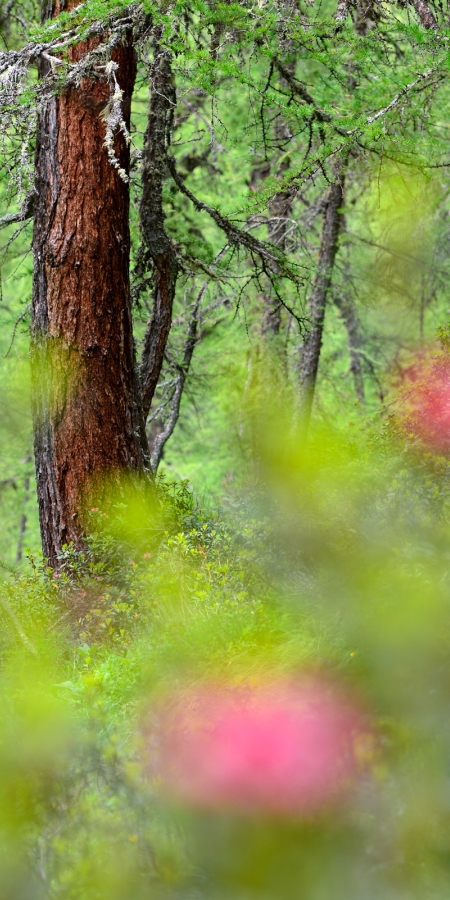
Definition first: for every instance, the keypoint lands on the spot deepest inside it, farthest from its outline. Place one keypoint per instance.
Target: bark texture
(310, 355)
(87, 415)
(158, 248)
(280, 212)
(342, 11)
(425, 14)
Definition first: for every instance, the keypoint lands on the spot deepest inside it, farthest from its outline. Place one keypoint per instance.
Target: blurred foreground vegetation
(257, 559)
(333, 561)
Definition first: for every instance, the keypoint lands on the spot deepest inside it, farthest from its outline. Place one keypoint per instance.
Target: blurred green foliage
(335, 561)
(285, 558)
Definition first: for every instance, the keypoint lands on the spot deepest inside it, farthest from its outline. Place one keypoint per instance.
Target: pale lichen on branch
(23, 96)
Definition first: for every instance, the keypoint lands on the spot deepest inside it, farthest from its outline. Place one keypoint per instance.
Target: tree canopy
(226, 408)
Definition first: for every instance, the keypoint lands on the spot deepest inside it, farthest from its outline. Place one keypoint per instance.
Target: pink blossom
(425, 402)
(284, 749)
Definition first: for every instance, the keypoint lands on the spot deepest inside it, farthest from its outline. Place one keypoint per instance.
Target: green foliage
(335, 562)
(329, 557)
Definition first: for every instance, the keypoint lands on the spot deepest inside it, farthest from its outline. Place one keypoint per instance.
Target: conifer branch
(299, 89)
(273, 260)
(396, 100)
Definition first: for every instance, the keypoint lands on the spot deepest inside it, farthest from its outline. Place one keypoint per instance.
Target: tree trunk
(158, 248)
(192, 339)
(279, 209)
(310, 355)
(87, 417)
(347, 308)
(425, 14)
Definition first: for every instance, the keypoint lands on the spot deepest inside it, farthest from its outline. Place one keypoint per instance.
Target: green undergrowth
(189, 593)
(86, 652)
(334, 562)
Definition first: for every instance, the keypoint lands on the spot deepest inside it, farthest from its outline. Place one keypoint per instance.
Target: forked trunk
(310, 354)
(87, 417)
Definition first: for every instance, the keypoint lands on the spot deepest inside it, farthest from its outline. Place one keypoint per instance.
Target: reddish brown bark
(86, 401)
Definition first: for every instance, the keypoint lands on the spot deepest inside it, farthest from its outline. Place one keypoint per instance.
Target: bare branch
(274, 261)
(26, 212)
(299, 89)
(16, 325)
(190, 344)
(409, 87)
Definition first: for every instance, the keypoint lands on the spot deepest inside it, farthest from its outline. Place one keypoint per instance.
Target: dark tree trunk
(158, 248)
(310, 354)
(192, 339)
(280, 211)
(87, 416)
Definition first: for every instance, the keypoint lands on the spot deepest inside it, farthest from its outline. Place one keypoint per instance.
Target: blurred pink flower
(425, 402)
(285, 749)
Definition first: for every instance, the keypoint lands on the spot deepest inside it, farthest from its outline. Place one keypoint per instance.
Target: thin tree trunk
(342, 11)
(87, 417)
(159, 249)
(23, 518)
(280, 211)
(310, 355)
(279, 208)
(190, 343)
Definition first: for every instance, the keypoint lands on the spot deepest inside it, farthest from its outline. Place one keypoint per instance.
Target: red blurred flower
(425, 402)
(286, 749)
